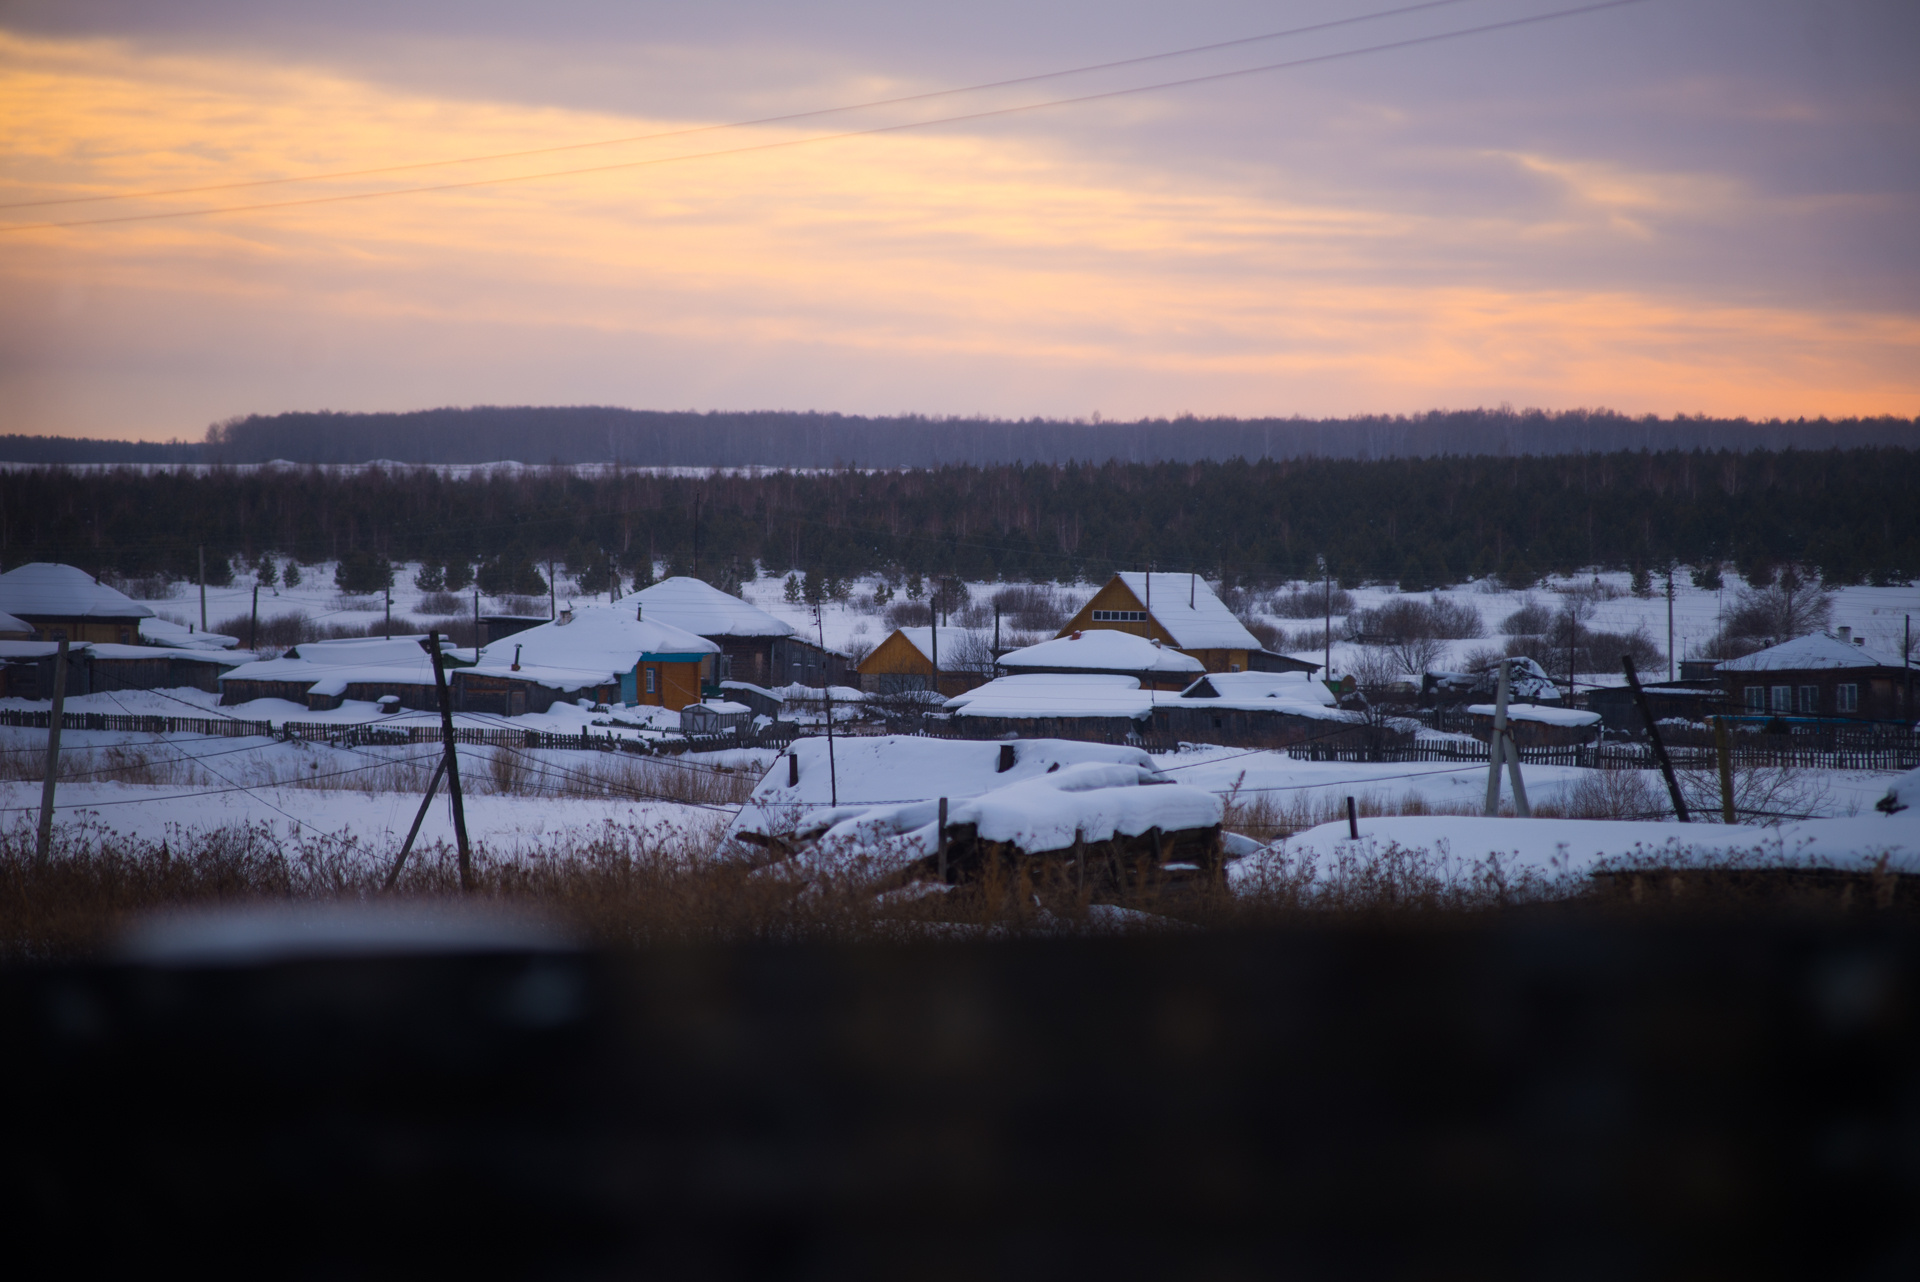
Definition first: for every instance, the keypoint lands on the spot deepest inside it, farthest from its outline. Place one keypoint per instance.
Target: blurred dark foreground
(1572, 1097)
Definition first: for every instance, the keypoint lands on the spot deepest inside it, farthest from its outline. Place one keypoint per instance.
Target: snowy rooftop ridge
(921, 639)
(64, 591)
(704, 610)
(597, 638)
(1816, 650)
(10, 624)
(1537, 712)
(1205, 625)
(1105, 649)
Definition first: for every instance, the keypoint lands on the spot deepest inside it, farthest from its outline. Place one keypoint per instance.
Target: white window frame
(650, 679)
(1756, 698)
(1846, 697)
(1782, 699)
(1809, 700)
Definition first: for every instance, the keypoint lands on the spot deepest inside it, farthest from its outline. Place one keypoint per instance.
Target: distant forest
(1849, 514)
(646, 438)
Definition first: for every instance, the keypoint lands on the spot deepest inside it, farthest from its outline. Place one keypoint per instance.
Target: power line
(878, 130)
(787, 118)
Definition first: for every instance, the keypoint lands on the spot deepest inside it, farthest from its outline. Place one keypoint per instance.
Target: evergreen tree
(267, 573)
(458, 574)
(292, 576)
(793, 590)
(361, 573)
(1642, 581)
(431, 577)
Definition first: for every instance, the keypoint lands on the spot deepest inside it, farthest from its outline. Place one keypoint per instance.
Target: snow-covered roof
(159, 631)
(10, 624)
(1091, 801)
(723, 707)
(600, 638)
(705, 610)
(1818, 650)
(324, 677)
(1205, 625)
(564, 679)
(146, 653)
(1056, 695)
(1537, 712)
(1104, 650)
(37, 649)
(363, 650)
(1239, 687)
(65, 592)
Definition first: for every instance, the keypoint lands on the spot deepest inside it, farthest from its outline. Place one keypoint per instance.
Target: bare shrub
(506, 772)
(1761, 794)
(909, 614)
(440, 603)
(1036, 607)
(1788, 607)
(1533, 619)
(1613, 794)
(1310, 603)
(145, 587)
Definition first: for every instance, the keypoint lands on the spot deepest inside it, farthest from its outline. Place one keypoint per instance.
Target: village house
(14, 629)
(903, 663)
(325, 674)
(1107, 650)
(1181, 611)
(605, 654)
(57, 601)
(1092, 707)
(1824, 676)
(755, 647)
(1259, 710)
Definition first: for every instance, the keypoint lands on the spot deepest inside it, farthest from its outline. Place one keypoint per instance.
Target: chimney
(516, 658)
(639, 614)
(1845, 634)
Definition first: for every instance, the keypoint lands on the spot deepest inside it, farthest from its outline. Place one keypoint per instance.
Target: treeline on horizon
(649, 438)
(1848, 515)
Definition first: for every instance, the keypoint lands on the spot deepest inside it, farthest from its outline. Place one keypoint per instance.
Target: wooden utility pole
(451, 762)
(203, 588)
(1653, 733)
(389, 591)
(1326, 672)
(43, 837)
(253, 619)
(1501, 747)
(1670, 669)
(826, 685)
(941, 839)
(433, 786)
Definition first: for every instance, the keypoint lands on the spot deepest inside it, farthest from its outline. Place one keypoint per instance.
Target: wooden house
(903, 663)
(1262, 710)
(755, 647)
(606, 654)
(57, 601)
(26, 669)
(1181, 611)
(1827, 676)
(324, 674)
(154, 667)
(1107, 650)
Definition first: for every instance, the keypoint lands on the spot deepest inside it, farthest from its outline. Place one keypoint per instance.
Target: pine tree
(915, 589)
(292, 577)
(431, 577)
(792, 593)
(267, 574)
(1642, 581)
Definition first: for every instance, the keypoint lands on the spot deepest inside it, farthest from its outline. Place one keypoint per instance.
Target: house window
(1119, 616)
(1756, 698)
(1847, 697)
(1809, 700)
(1233, 667)
(650, 686)
(1783, 698)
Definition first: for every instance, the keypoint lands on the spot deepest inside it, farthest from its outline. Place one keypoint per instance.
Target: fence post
(43, 838)
(942, 830)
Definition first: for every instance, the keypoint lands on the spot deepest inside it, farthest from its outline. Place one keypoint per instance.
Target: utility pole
(452, 763)
(1327, 670)
(1653, 734)
(1501, 747)
(1670, 672)
(253, 620)
(933, 617)
(203, 588)
(826, 672)
(476, 623)
(696, 534)
(389, 593)
(1723, 757)
(43, 838)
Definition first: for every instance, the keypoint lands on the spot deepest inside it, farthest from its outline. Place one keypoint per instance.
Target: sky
(1698, 206)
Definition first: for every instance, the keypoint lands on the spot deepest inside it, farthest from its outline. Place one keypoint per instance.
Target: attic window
(1119, 616)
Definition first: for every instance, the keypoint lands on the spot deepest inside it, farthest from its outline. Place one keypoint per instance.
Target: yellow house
(55, 601)
(1181, 611)
(904, 661)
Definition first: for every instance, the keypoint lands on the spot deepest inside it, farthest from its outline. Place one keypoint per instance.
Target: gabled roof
(705, 610)
(10, 624)
(1207, 624)
(1818, 650)
(159, 631)
(64, 592)
(1054, 695)
(921, 639)
(602, 638)
(1102, 650)
(1284, 687)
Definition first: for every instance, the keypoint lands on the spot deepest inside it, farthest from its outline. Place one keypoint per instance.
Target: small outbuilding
(713, 717)
(1536, 725)
(907, 660)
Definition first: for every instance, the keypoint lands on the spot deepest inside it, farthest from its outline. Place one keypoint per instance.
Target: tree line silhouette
(1846, 514)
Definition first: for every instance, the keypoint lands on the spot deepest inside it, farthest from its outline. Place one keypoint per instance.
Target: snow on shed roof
(1056, 695)
(1239, 687)
(921, 639)
(1817, 650)
(66, 592)
(1205, 625)
(1537, 712)
(566, 680)
(1103, 649)
(608, 638)
(705, 610)
(364, 650)
(10, 624)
